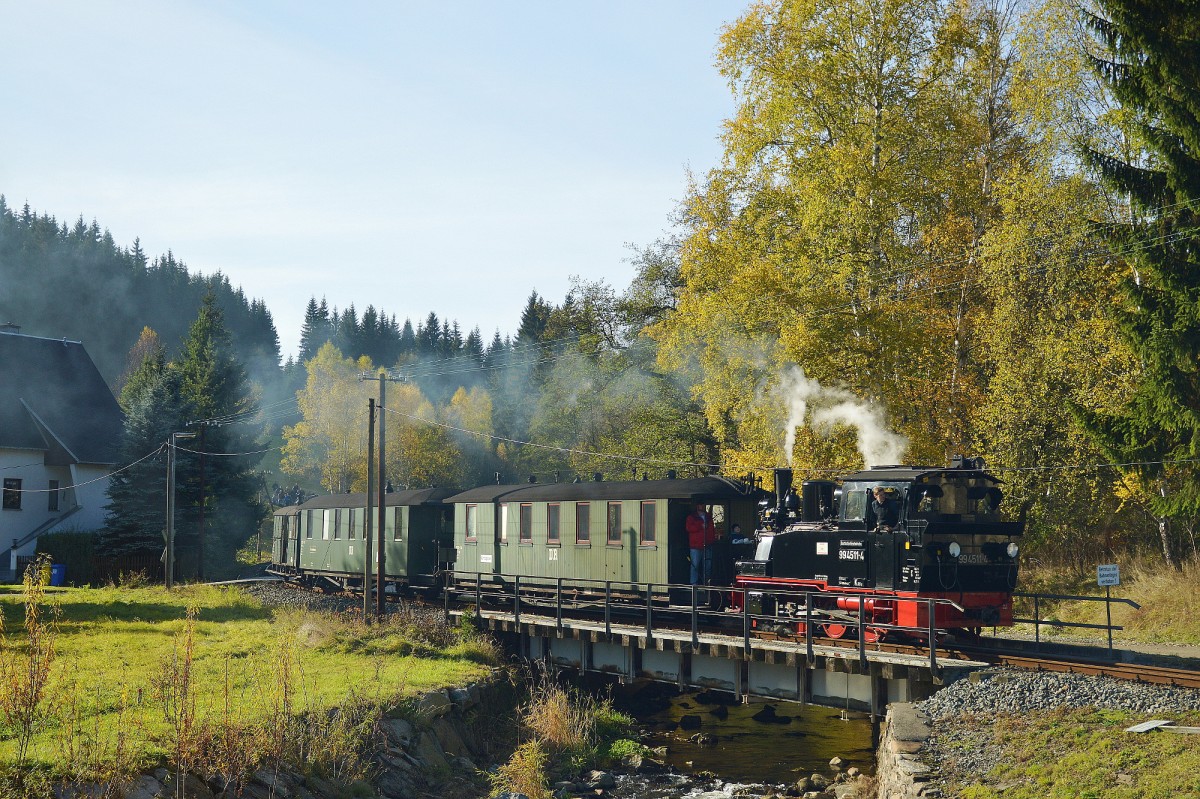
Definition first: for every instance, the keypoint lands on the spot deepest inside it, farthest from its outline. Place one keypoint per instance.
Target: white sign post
(1107, 575)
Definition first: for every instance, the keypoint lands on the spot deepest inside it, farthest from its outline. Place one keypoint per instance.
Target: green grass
(1070, 754)
(120, 653)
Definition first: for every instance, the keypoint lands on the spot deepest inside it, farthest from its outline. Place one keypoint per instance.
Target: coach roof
(713, 489)
(420, 496)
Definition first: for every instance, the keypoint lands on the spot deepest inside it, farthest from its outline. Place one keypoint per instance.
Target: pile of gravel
(1001, 691)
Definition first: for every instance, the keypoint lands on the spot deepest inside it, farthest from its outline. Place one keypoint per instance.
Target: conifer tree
(1152, 69)
(137, 508)
(219, 488)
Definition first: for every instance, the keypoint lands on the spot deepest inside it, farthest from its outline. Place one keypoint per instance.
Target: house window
(53, 495)
(398, 525)
(647, 532)
(614, 523)
(583, 523)
(472, 522)
(502, 528)
(526, 523)
(12, 493)
(552, 529)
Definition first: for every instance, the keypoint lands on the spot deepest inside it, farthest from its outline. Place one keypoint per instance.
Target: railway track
(995, 652)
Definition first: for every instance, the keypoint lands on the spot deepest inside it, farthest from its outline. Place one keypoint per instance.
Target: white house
(60, 427)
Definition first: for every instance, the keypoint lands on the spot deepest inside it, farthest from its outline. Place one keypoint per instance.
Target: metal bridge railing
(1037, 621)
(652, 604)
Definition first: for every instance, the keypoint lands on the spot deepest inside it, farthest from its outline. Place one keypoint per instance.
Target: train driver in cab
(886, 509)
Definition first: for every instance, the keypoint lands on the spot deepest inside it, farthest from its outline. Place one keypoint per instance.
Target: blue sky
(447, 157)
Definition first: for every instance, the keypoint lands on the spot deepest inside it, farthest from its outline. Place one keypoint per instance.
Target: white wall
(28, 467)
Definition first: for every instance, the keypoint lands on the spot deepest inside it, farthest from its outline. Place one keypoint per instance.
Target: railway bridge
(684, 641)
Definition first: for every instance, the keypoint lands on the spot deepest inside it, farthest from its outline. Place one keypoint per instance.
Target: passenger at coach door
(886, 508)
(702, 534)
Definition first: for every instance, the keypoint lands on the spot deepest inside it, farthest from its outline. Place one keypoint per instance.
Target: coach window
(648, 531)
(502, 528)
(398, 521)
(308, 528)
(326, 524)
(526, 523)
(352, 526)
(614, 524)
(337, 524)
(583, 523)
(552, 529)
(472, 522)
(12, 493)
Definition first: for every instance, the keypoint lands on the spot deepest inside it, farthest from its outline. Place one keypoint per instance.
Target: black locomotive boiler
(944, 539)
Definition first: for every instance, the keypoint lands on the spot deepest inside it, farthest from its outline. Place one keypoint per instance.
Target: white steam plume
(876, 443)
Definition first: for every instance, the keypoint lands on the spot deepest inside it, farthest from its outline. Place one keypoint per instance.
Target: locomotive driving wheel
(835, 630)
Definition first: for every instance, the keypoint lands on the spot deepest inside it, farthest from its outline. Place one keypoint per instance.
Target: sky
(439, 156)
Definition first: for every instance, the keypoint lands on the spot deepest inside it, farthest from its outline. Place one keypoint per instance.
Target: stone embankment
(435, 750)
(912, 755)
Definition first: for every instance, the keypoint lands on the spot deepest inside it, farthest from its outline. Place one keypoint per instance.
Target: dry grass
(1170, 604)
(557, 718)
(524, 773)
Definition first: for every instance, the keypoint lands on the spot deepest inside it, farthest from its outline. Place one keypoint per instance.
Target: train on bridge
(870, 548)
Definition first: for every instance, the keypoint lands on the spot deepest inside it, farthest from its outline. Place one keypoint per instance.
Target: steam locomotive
(946, 542)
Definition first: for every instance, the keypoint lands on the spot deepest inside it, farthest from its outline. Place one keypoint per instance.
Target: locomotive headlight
(1012, 549)
(954, 549)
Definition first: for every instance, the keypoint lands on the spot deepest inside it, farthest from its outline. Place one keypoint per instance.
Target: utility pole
(169, 534)
(367, 521)
(382, 482)
(203, 501)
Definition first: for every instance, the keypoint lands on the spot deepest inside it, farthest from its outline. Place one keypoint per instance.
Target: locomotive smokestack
(783, 482)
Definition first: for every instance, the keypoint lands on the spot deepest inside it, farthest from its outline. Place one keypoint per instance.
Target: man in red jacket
(701, 535)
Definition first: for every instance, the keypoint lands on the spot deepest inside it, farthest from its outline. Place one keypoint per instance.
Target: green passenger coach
(325, 537)
(620, 531)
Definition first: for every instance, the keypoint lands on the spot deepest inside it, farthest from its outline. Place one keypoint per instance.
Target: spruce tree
(219, 487)
(137, 495)
(1152, 69)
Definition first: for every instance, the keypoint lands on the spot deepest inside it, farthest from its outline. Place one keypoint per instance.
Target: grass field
(204, 677)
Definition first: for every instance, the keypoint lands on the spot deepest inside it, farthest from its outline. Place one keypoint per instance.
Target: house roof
(53, 398)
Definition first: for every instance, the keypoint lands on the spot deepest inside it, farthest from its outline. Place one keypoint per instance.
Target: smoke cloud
(830, 406)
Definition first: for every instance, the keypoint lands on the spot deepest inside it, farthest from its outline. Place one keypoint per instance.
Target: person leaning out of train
(886, 509)
(702, 533)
